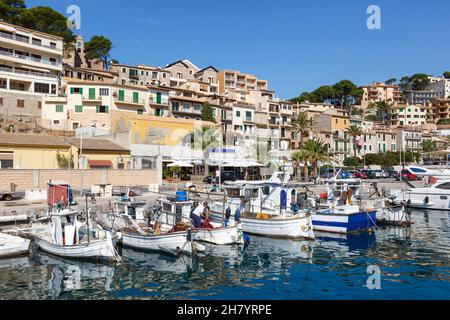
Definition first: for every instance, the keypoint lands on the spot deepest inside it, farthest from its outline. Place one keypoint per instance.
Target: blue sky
(296, 45)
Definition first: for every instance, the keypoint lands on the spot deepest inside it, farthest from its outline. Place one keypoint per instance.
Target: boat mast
(87, 217)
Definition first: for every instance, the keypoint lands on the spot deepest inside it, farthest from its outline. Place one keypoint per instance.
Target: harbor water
(414, 263)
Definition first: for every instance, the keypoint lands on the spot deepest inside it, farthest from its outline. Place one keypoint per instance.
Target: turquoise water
(414, 264)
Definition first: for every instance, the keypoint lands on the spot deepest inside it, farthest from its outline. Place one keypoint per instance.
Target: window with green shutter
(140, 111)
(136, 97)
(91, 93)
(59, 108)
(78, 109)
(102, 109)
(158, 97)
(121, 95)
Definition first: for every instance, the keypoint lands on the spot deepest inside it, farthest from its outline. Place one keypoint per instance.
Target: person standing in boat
(196, 215)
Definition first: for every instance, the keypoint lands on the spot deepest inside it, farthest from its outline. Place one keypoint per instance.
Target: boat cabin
(64, 227)
(174, 212)
(134, 209)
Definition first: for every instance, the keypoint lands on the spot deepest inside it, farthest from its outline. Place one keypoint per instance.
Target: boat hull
(176, 241)
(292, 227)
(221, 235)
(425, 198)
(99, 249)
(344, 223)
(11, 246)
(396, 216)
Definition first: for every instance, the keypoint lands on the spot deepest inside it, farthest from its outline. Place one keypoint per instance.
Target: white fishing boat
(66, 237)
(434, 196)
(262, 208)
(174, 243)
(133, 223)
(12, 246)
(171, 212)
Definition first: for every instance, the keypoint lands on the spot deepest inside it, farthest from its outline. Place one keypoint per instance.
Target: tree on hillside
(391, 82)
(11, 9)
(98, 47)
(45, 19)
(446, 74)
(324, 93)
(207, 113)
(419, 81)
(305, 96)
(405, 83)
(346, 93)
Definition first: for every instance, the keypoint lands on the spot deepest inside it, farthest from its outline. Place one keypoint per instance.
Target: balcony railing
(35, 43)
(20, 56)
(29, 73)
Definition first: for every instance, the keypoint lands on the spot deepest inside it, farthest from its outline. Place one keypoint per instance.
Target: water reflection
(414, 263)
(69, 276)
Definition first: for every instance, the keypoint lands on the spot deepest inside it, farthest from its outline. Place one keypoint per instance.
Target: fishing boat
(434, 196)
(177, 210)
(12, 246)
(262, 208)
(339, 212)
(138, 232)
(66, 237)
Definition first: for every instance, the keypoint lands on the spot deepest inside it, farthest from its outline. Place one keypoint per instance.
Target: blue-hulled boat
(339, 214)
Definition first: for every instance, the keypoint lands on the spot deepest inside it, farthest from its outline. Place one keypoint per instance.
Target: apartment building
(313, 110)
(186, 103)
(140, 75)
(88, 74)
(379, 91)
(235, 80)
(409, 139)
(422, 97)
(88, 103)
(337, 122)
(30, 67)
(440, 110)
(441, 87)
(159, 101)
(405, 115)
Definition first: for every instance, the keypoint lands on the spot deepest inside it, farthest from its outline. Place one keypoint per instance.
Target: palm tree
(203, 139)
(302, 125)
(317, 151)
(429, 145)
(355, 131)
(298, 158)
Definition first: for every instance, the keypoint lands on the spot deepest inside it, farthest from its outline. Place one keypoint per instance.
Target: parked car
(406, 175)
(345, 175)
(360, 175)
(370, 174)
(392, 173)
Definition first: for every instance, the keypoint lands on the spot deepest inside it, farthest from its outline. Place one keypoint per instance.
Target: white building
(30, 61)
(441, 87)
